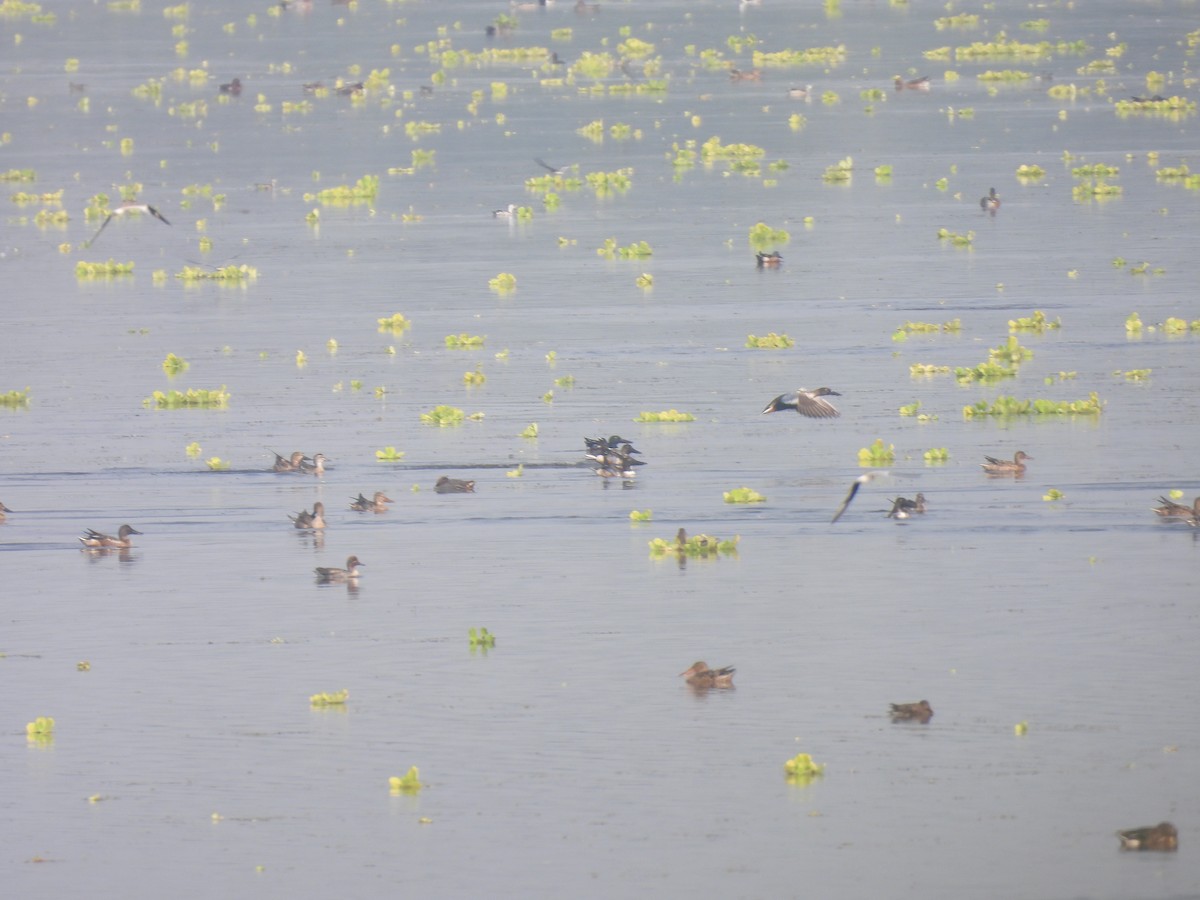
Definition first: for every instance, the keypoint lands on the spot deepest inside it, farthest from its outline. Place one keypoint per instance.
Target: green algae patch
(667, 415)
(192, 398)
(744, 495)
(1011, 406)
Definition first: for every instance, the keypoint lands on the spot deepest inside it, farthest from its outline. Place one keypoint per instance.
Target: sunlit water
(568, 760)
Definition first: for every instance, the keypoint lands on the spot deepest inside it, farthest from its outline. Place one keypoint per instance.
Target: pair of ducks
(315, 520)
(299, 464)
(615, 455)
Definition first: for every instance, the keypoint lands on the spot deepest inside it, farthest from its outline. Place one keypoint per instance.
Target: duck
(902, 507)
(553, 170)
(3, 509)
(598, 448)
(920, 711)
(348, 90)
(991, 202)
(770, 260)
(288, 465)
(377, 504)
(618, 464)
(806, 402)
(95, 540)
(1162, 836)
(1171, 508)
(855, 485)
(701, 676)
(347, 574)
(916, 84)
(316, 467)
(310, 521)
(509, 212)
(583, 8)
(447, 485)
(234, 87)
(739, 75)
(1014, 466)
(804, 93)
(126, 207)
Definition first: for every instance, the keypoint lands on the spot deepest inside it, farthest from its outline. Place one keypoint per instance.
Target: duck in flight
(127, 207)
(806, 402)
(858, 482)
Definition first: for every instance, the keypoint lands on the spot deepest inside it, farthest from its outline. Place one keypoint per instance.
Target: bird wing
(850, 496)
(154, 212)
(103, 225)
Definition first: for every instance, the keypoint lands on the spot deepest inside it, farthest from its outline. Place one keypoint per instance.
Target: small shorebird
(127, 206)
(806, 402)
(701, 676)
(349, 573)
(991, 202)
(1014, 466)
(917, 712)
(95, 540)
(310, 521)
(1162, 836)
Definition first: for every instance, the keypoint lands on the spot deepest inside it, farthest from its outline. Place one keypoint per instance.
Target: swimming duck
(1162, 836)
(509, 212)
(806, 402)
(700, 675)
(583, 8)
(739, 75)
(917, 712)
(599, 449)
(234, 87)
(127, 206)
(288, 465)
(3, 509)
(348, 90)
(310, 521)
(316, 467)
(991, 202)
(1014, 466)
(768, 260)
(1171, 508)
(95, 540)
(804, 93)
(347, 574)
(378, 504)
(446, 485)
(902, 507)
(916, 84)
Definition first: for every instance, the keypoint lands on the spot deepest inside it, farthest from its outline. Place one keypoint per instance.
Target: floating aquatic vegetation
(936, 455)
(362, 191)
(1036, 24)
(813, 56)
(108, 269)
(1002, 48)
(1008, 76)
(530, 431)
(1021, 729)
(962, 20)
(957, 240)
(1133, 323)
(770, 341)
(40, 730)
(744, 495)
(1095, 170)
(605, 183)
(323, 699)
(696, 546)
(762, 236)
(565, 381)
(192, 398)
(878, 454)
(840, 172)
(474, 379)
(1174, 325)
(504, 282)
(23, 199)
(481, 638)
(15, 399)
(986, 372)
(638, 250)
(443, 416)
(1095, 190)
(1010, 352)
(871, 94)
(226, 274)
(796, 121)
(410, 783)
(1037, 322)
(464, 341)
(1060, 376)
(193, 449)
(216, 464)
(1030, 172)
(883, 172)
(667, 415)
(389, 454)
(1011, 406)
(1135, 374)
(954, 326)
(173, 365)
(640, 515)
(802, 770)
(910, 409)
(23, 175)
(517, 472)
(1173, 108)
(645, 281)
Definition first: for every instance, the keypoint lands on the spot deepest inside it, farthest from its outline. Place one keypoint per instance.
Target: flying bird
(127, 207)
(858, 482)
(807, 403)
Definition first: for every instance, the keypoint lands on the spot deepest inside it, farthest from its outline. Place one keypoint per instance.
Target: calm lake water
(569, 760)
